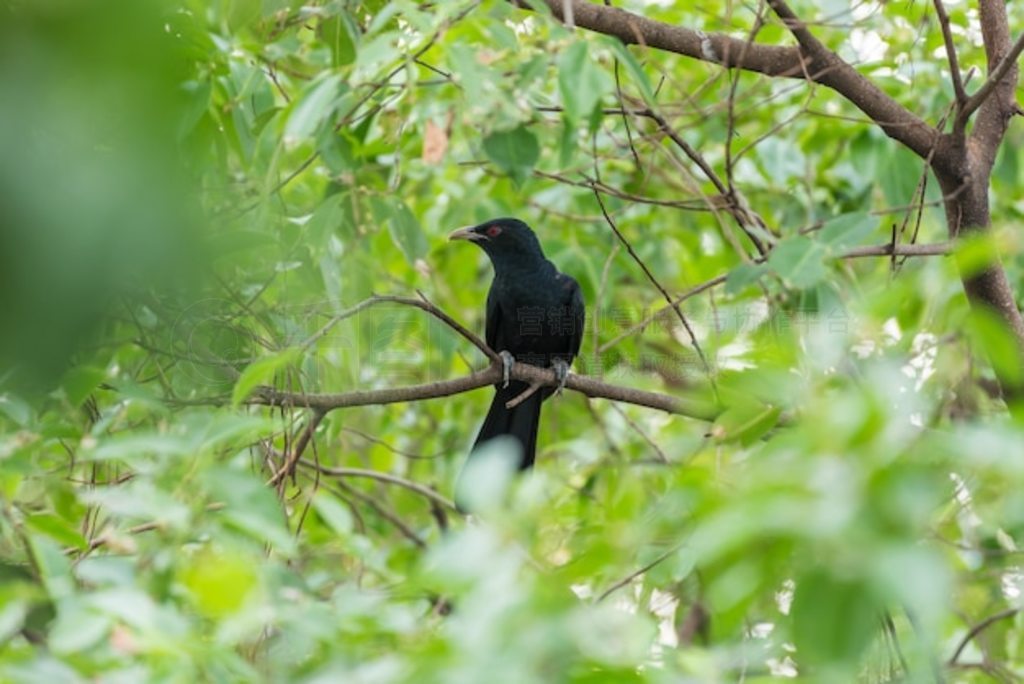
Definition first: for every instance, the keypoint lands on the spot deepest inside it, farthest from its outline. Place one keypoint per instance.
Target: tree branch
(954, 64)
(889, 249)
(735, 204)
(654, 281)
(416, 487)
(1005, 64)
(978, 629)
(298, 448)
(994, 113)
(545, 377)
(819, 65)
(422, 303)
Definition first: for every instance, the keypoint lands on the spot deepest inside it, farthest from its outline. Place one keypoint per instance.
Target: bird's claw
(507, 362)
(561, 369)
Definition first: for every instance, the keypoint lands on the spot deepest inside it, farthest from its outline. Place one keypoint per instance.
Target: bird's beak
(466, 233)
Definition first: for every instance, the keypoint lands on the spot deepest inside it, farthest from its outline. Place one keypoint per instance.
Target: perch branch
(544, 377)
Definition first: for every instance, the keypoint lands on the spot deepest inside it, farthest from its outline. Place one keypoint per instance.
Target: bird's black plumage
(533, 312)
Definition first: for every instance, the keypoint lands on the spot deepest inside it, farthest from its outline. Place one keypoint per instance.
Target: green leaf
(898, 175)
(406, 232)
(249, 506)
(745, 422)
(332, 217)
(130, 448)
(515, 151)
(316, 104)
(241, 13)
(847, 230)
(743, 276)
(53, 566)
(57, 529)
(340, 34)
(404, 229)
(636, 72)
(140, 500)
(581, 82)
(834, 619)
(991, 334)
(567, 144)
(80, 381)
(220, 583)
(800, 261)
(15, 408)
(261, 372)
(336, 515)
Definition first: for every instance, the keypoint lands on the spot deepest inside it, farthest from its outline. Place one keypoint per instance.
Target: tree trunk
(965, 187)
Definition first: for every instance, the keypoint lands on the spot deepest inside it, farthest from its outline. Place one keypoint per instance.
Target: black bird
(535, 315)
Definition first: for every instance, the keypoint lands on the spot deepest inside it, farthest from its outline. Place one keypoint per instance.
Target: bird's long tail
(520, 421)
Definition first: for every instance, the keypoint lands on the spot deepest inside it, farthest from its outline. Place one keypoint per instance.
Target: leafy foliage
(197, 194)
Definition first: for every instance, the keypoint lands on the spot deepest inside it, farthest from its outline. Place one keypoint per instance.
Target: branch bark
(545, 377)
(818, 63)
(962, 164)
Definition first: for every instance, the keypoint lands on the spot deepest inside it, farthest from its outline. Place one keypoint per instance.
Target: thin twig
(654, 281)
(633, 575)
(978, 629)
(300, 445)
(523, 396)
(382, 511)
(954, 65)
(425, 492)
(422, 303)
(979, 97)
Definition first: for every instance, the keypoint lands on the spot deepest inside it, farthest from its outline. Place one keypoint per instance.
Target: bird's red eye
(493, 231)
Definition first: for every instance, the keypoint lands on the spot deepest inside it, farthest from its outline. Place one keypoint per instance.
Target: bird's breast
(536, 316)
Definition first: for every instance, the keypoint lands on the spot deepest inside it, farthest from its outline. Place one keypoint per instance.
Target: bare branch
(592, 387)
(416, 487)
(422, 303)
(381, 510)
(523, 396)
(954, 64)
(889, 249)
(798, 28)
(692, 292)
(297, 449)
(633, 575)
(685, 205)
(824, 67)
(736, 204)
(654, 281)
(978, 629)
(886, 250)
(1008, 62)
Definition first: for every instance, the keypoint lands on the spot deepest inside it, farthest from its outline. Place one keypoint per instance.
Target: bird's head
(502, 238)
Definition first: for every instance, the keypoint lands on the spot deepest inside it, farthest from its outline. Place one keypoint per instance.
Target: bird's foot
(507, 362)
(561, 369)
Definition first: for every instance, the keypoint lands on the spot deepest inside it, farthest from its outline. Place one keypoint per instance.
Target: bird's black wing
(493, 322)
(572, 307)
(577, 309)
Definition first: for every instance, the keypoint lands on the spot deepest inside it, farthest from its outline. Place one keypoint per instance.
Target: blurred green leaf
(315, 106)
(262, 371)
(581, 82)
(515, 151)
(834, 619)
(847, 230)
(800, 261)
(57, 529)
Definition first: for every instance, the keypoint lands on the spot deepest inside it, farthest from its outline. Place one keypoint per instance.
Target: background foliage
(194, 190)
